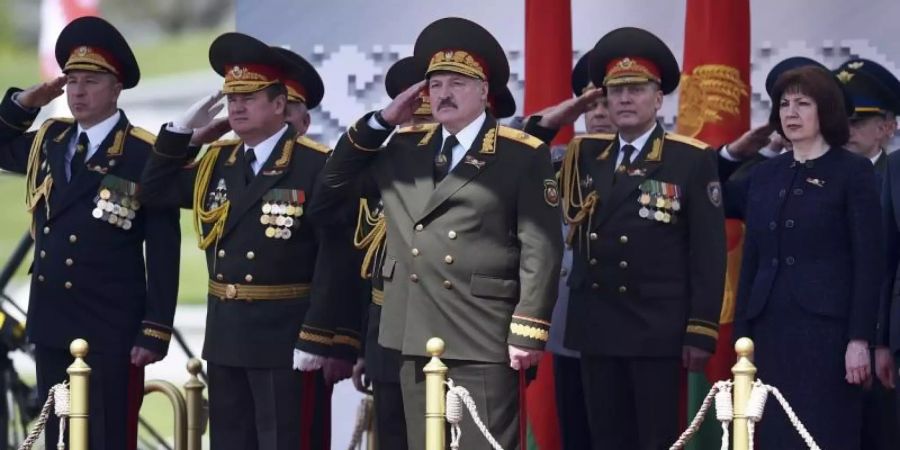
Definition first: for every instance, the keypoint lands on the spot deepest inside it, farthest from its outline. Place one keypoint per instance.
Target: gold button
(447, 284)
(623, 239)
(248, 278)
(251, 255)
(40, 278)
(448, 259)
(68, 285)
(221, 253)
(43, 254)
(451, 234)
(593, 236)
(414, 278)
(415, 252)
(73, 239)
(593, 261)
(595, 286)
(220, 277)
(46, 230)
(420, 227)
(69, 261)
(623, 289)
(623, 264)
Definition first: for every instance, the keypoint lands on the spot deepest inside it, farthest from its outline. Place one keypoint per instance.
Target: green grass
(14, 221)
(169, 55)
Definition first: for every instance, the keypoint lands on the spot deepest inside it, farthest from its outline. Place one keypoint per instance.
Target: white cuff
(374, 123)
(769, 153)
(307, 362)
(725, 154)
(175, 128)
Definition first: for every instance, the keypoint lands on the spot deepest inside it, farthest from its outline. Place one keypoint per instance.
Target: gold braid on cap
(458, 61)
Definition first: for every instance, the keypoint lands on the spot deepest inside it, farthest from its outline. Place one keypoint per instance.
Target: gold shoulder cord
(33, 192)
(216, 216)
(576, 207)
(372, 241)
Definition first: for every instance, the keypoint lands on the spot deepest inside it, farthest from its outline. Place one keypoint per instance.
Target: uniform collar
(97, 133)
(264, 149)
(639, 142)
(467, 135)
(877, 156)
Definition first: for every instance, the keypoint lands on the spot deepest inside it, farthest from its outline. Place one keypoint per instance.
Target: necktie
(627, 153)
(443, 159)
(77, 162)
(249, 159)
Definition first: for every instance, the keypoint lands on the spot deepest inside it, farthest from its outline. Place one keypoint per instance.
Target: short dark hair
(274, 90)
(820, 85)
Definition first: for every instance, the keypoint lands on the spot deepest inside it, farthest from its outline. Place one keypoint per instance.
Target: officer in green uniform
(274, 259)
(648, 236)
(106, 266)
(473, 245)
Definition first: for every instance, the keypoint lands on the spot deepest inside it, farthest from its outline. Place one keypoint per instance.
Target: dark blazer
(263, 333)
(889, 320)
(826, 241)
(644, 287)
(475, 259)
(90, 277)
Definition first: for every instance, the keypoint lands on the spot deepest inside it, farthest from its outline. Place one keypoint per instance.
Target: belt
(257, 292)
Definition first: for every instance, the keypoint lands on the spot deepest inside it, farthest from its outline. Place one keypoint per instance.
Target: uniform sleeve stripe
(703, 331)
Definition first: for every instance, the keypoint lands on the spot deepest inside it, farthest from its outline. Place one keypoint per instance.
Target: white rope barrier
(457, 397)
(58, 399)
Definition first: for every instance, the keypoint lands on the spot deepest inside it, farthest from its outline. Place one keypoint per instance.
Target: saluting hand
(201, 113)
(404, 105)
(211, 132)
(523, 358)
(39, 95)
(751, 142)
(857, 363)
(567, 112)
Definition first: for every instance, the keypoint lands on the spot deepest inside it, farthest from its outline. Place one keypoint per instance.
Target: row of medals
(655, 207)
(115, 208)
(279, 218)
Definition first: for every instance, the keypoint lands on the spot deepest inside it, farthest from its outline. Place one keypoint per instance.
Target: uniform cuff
(528, 332)
(702, 334)
(313, 340)
(533, 127)
(154, 337)
(172, 144)
(365, 137)
(13, 115)
(347, 344)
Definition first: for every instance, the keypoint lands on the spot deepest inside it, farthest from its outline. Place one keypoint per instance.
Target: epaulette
(143, 135)
(307, 142)
(225, 142)
(68, 120)
(418, 128)
(687, 140)
(520, 136)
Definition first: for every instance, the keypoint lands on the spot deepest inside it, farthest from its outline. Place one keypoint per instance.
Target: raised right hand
(404, 105)
(39, 95)
(200, 114)
(211, 132)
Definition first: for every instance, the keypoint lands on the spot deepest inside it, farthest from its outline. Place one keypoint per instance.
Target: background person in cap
(472, 253)
(91, 278)
(812, 266)
(275, 261)
(874, 98)
(648, 236)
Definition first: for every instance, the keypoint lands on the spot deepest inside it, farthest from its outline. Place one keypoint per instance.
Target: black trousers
(115, 393)
(632, 403)
(254, 409)
(390, 422)
(494, 388)
(879, 424)
(315, 411)
(570, 404)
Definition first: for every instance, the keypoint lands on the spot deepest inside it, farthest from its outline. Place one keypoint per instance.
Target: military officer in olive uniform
(91, 277)
(274, 260)
(648, 236)
(473, 244)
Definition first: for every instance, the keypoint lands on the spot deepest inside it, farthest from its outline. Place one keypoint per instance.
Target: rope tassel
(58, 399)
(457, 396)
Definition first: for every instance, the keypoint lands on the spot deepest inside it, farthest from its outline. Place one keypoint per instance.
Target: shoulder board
(418, 128)
(598, 136)
(67, 120)
(143, 135)
(520, 136)
(225, 142)
(307, 142)
(687, 140)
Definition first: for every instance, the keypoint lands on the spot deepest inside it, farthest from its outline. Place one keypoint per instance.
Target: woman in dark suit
(812, 266)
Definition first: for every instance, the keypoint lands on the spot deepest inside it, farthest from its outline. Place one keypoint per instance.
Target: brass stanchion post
(435, 376)
(178, 408)
(79, 379)
(196, 417)
(371, 440)
(744, 375)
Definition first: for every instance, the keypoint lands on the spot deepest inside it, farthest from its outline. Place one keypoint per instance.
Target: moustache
(446, 102)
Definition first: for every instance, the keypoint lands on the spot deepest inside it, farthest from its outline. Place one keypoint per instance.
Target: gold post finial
(435, 347)
(194, 406)
(435, 412)
(194, 366)
(79, 380)
(744, 375)
(744, 347)
(78, 348)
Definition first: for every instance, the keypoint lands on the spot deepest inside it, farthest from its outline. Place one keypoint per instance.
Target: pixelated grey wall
(352, 43)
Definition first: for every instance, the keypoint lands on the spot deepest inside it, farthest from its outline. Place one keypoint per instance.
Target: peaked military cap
(795, 62)
(581, 77)
(92, 44)
(248, 64)
(304, 85)
(630, 56)
(459, 45)
(873, 88)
